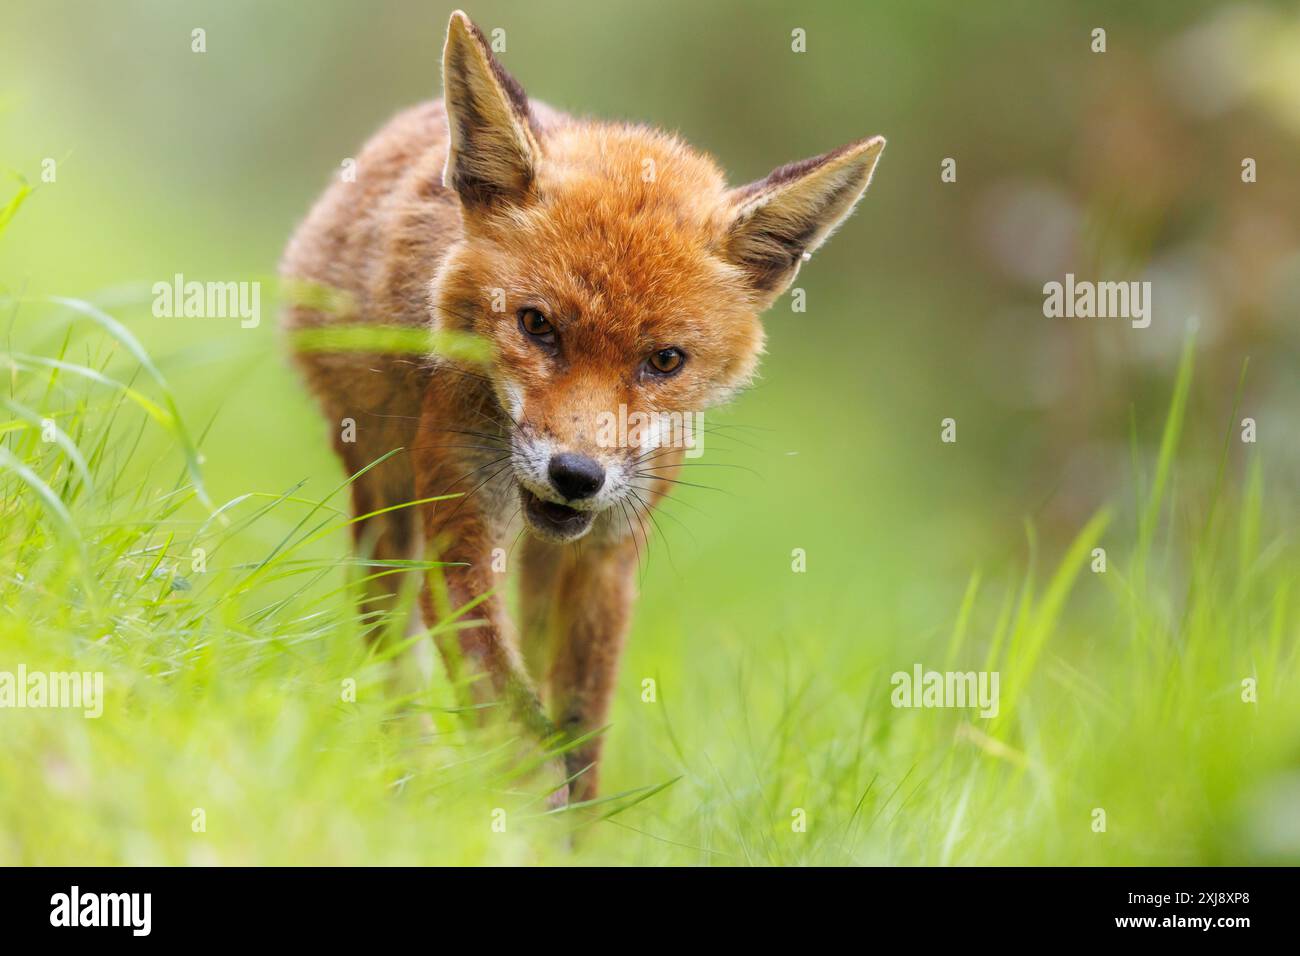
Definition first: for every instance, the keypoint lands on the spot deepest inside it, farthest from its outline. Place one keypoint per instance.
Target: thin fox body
(611, 271)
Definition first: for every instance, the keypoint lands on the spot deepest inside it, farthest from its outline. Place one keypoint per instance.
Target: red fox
(610, 270)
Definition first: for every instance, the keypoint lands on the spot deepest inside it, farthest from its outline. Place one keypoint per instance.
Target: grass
(245, 722)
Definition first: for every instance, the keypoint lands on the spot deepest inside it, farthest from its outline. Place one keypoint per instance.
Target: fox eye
(536, 325)
(666, 361)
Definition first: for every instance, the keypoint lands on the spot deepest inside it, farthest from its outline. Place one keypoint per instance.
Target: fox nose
(575, 476)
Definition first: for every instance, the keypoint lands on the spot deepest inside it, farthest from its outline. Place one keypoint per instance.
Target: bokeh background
(1123, 165)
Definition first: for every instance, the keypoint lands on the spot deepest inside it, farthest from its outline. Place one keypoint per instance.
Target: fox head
(616, 276)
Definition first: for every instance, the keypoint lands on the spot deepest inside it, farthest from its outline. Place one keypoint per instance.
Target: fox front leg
(481, 649)
(591, 608)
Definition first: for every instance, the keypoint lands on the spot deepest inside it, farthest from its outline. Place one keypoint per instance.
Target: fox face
(616, 277)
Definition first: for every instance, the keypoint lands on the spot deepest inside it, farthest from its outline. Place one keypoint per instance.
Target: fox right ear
(493, 149)
(779, 221)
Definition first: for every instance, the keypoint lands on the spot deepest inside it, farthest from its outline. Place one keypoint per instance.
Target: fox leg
(594, 588)
(386, 594)
(540, 564)
(481, 648)
(362, 398)
(381, 539)
(482, 643)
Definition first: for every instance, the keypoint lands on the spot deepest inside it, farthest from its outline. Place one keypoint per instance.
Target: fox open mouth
(555, 521)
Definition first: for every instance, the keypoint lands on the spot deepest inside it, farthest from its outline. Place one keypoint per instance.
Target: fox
(609, 269)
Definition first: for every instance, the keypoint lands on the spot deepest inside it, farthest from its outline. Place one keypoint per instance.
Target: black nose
(575, 476)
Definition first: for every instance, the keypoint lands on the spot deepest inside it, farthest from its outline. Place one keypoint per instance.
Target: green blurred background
(926, 305)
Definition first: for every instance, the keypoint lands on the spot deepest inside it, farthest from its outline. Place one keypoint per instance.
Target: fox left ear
(493, 149)
(778, 221)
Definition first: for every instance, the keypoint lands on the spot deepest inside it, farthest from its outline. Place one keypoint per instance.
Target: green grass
(225, 683)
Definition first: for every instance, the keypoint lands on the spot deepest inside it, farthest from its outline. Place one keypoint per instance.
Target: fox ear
(778, 221)
(493, 149)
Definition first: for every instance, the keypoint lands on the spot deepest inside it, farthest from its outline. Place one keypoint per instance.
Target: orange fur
(466, 214)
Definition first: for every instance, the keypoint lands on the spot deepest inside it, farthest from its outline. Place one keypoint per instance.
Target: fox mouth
(552, 521)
